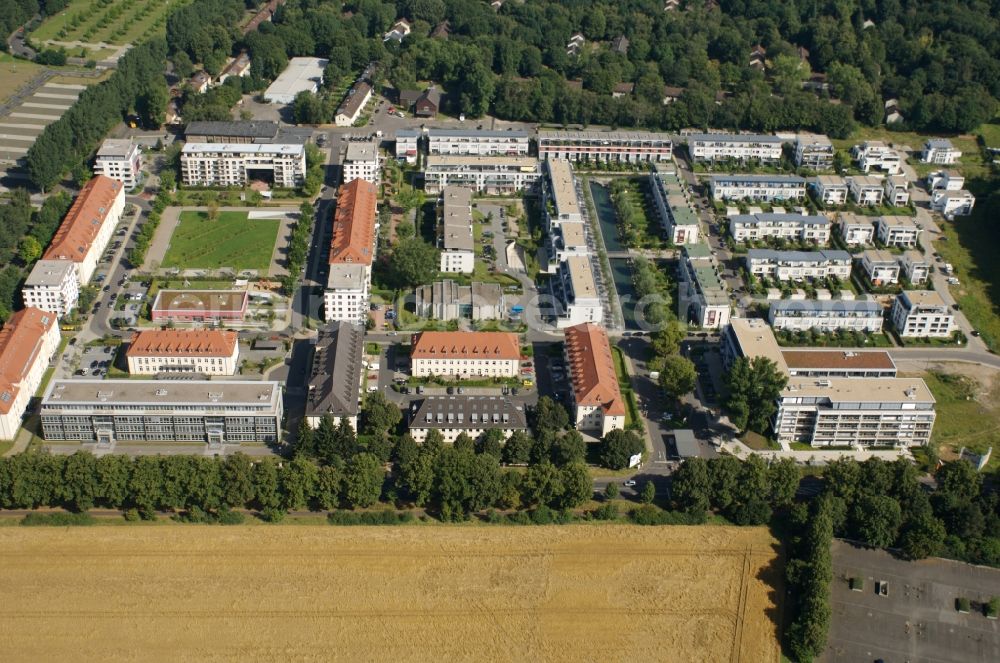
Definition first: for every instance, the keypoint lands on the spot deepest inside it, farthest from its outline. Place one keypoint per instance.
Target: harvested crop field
(266, 593)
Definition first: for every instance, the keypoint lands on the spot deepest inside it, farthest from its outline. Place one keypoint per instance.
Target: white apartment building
(916, 268)
(627, 146)
(566, 240)
(206, 351)
(875, 154)
(236, 164)
(407, 141)
(88, 226)
(863, 315)
(28, 341)
(52, 286)
(458, 251)
(950, 204)
(352, 250)
(477, 142)
(831, 190)
(814, 152)
(362, 161)
(941, 151)
(897, 231)
(947, 180)
(489, 175)
(473, 415)
(866, 191)
(347, 293)
(575, 292)
(922, 313)
(465, 354)
(803, 227)
(897, 191)
(797, 265)
(597, 403)
(673, 204)
(764, 188)
(119, 159)
(701, 297)
(855, 229)
(738, 147)
(559, 198)
(880, 267)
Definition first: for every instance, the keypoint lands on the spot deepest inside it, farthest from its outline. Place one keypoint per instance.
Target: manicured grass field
(232, 240)
(14, 73)
(971, 163)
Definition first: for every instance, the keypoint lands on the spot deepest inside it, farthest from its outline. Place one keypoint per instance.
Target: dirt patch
(575, 593)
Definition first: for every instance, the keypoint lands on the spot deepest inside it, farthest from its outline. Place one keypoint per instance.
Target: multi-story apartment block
(108, 411)
(458, 251)
(879, 267)
(875, 154)
(465, 354)
(814, 152)
(628, 146)
(916, 268)
(490, 175)
(477, 142)
(950, 204)
(855, 229)
(803, 227)
(673, 204)
(941, 151)
(765, 188)
(88, 226)
(559, 196)
(831, 190)
(922, 313)
(597, 404)
(897, 231)
(407, 144)
(28, 341)
(207, 351)
(862, 315)
(897, 191)
(737, 147)
(119, 159)
(473, 415)
(235, 164)
(361, 161)
(567, 239)
(701, 297)
(947, 180)
(796, 265)
(866, 191)
(336, 374)
(352, 250)
(574, 290)
(52, 286)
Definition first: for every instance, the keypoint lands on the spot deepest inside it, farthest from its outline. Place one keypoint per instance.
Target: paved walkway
(814, 456)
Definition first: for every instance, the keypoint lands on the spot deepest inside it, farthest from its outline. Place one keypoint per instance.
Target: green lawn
(971, 164)
(232, 240)
(962, 419)
(121, 22)
(990, 131)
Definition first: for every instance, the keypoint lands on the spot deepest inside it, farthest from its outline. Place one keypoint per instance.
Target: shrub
(607, 511)
(272, 515)
(228, 517)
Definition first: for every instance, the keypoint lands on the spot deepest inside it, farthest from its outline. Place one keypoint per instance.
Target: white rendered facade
(899, 231)
(897, 191)
(347, 291)
(856, 230)
(947, 180)
(831, 190)
(575, 291)
(52, 286)
(787, 265)
(880, 267)
(940, 151)
(458, 252)
(627, 146)
(407, 141)
(490, 175)
(952, 203)
(866, 191)
(229, 164)
(362, 162)
(464, 142)
(744, 227)
(875, 154)
(763, 188)
(814, 152)
(916, 268)
(120, 160)
(739, 147)
(829, 315)
(673, 204)
(701, 297)
(922, 313)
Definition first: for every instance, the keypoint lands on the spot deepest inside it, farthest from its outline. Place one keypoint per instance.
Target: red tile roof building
(597, 400)
(465, 354)
(352, 250)
(27, 343)
(88, 225)
(208, 351)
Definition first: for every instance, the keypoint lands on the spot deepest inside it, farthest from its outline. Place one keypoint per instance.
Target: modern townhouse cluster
(476, 142)
(455, 236)
(798, 227)
(236, 164)
(352, 251)
(673, 205)
(760, 188)
(701, 297)
(492, 175)
(605, 146)
(798, 265)
(712, 148)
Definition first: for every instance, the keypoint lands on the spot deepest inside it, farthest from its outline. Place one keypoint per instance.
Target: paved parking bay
(20, 127)
(916, 621)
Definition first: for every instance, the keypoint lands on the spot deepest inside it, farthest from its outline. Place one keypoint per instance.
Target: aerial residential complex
(206, 351)
(465, 354)
(855, 230)
(407, 145)
(831, 190)
(880, 267)
(490, 175)
(335, 374)
(597, 403)
(458, 251)
(119, 159)
(701, 297)
(764, 188)
(922, 314)
(473, 415)
(628, 146)
(737, 147)
(866, 191)
(952, 203)
(787, 265)
(236, 164)
(559, 198)
(826, 315)
(901, 231)
(814, 152)
(352, 250)
(802, 227)
(28, 341)
(476, 142)
(109, 411)
(575, 292)
(875, 154)
(673, 204)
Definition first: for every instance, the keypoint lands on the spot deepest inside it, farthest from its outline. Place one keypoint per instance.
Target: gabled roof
(20, 346)
(465, 345)
(183, 343)
(467, 413)
(334, 382)
(83, 221)
(353, 238)
(592, 369)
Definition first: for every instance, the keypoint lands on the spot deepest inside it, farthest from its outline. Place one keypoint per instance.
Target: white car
(629, 484)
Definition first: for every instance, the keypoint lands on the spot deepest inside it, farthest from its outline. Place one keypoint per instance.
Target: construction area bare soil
(266, 593)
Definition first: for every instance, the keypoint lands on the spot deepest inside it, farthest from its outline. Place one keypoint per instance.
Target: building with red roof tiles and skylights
(207, 351)
(465, 354)
(27, 343)
(597, 401)
(352, 250)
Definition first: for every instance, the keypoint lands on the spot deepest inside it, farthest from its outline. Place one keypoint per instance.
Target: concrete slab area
(64, 86)
(37, 116)
(916, 620)
(50, 106)
(4, 126)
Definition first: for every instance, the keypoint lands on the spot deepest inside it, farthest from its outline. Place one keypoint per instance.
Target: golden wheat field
(417, 593)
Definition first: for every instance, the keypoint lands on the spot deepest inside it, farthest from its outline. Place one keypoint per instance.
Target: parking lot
(916, 619)
(95, 361)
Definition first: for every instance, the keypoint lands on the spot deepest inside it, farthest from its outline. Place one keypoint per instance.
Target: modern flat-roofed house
(626, 146)
(567, 239)
(352, 250)
(597, 403)
(764, 188)
(28, 341)
(788, 265)
(353, 103)
(458, 251)
(206, 351)
(559, 196)
(218, 412)
(701, 297)
(336, 374)
(941, 151)
(875, 154)
(897, 191)
(880, 267)
(922, 313)
(361, 161)
(88, 226)
(814, 152)
(52, 286)
(407, 141)
(738, 147)
(950, 204)
(916, 268)
(575, 292)
(673, 204)
(119, 159)
(866, 191)
(899, 231)
(446, 300)
(947, 180)
(490, 175)
(473, 415)
(235, 164)
(831, 190)
(477, 142)
(855, 229)
(803, 227)
(465, 354)
(863, 315)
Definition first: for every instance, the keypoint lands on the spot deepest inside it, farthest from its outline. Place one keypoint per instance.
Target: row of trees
(298, 246)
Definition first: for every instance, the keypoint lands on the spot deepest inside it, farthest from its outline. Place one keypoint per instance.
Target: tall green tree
(752, 389)
(617, 447)
(363, 480)
(678, 376)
